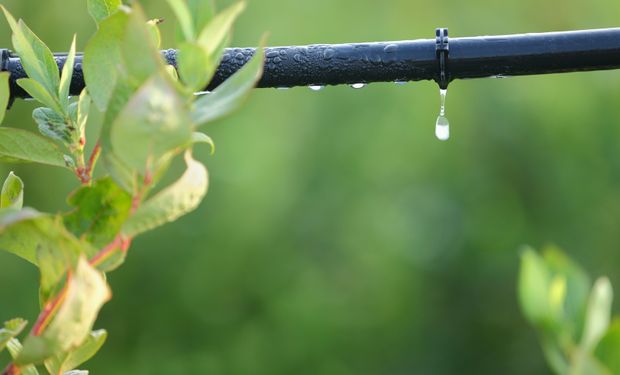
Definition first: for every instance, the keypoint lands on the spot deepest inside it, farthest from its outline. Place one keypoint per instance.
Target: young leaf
(38, 92)
(534, 280)
(598, 315)
(102, 57)
(198, 137)
(61, 364)
(52, 125)
(21, 146)
(86, 293)
(12, 195)
(195, 66)
(99, 211)
(5, 94)
(180, 9)
(102, 9)
(11, 329)
(37, 60)
(229, 95)
(65, 78)
(218, 29)
(152, 124)
(171, 203)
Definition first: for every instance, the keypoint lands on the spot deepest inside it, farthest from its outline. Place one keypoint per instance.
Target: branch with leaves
(151, 115)
(572, 317)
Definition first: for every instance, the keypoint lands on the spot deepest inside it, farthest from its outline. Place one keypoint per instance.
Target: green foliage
(11, 329)
(102, 9)
(572, 321)
(149, 119)
(12, 194)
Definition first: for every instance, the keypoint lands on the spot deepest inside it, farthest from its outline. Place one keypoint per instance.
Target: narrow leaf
(12, 195)
(229, 96)
(39, 93)
(171, 203)
(598, 315)
(180, 9)
(202, 12)
(5, 94)
(65, 78)
(37, 60)
(21, 146)
(219, 28)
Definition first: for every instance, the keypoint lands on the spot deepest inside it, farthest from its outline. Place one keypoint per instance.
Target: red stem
(11, 370)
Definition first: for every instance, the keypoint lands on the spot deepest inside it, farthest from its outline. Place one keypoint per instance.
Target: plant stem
(11, 370)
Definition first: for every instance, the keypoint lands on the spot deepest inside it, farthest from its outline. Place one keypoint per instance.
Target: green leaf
(38, 92)
(171, 203)
(67, 74)
(86, 293)
(60, 364)
(195, 66)
(577, 289)
(534, 281)
(37, 60)
(102, 9)
(198, 137)
(202, 12)
(99, 211)
(12, 195)
(153, 123)
(21, 146)
(102, 58)
(11, 329)
(229, 96)
(217, 30)
(81, 114)
(182, 12)
(608, 349)
(5, 94)
(598, 314)
(141, 58)
(15, 347)
(52, 125)
(153, 28)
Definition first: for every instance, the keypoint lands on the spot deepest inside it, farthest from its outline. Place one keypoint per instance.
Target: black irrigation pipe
(473, 57)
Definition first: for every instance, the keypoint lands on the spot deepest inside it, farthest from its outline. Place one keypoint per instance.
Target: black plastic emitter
(473, 57)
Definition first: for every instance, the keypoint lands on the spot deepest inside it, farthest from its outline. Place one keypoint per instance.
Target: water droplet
(400, 83)
(328, 54)
(358, 86)
(442, 126)
(316, 87)
(391, 48)
(283, 88)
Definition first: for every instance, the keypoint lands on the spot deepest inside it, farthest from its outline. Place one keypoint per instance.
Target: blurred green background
(339, 236)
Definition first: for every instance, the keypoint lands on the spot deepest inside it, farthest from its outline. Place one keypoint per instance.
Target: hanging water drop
(316, 87)
(358, 86)
(442, 126)
(283, 88)
(400, 83)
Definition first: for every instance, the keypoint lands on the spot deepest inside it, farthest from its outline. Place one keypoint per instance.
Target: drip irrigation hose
(415, 60)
